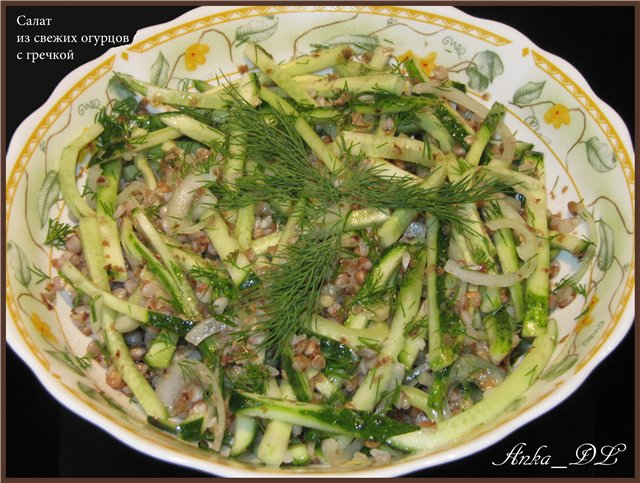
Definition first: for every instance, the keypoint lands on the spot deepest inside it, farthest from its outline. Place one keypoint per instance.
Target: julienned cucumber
(348, 422)
(136, 312)
(495, 402)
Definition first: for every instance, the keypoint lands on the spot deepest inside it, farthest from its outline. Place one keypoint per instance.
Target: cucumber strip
(500, 333)
(481, 250)
(494, 403)
(306, 131)
(191, 429)
(142, 163)
(346, 422)
(94, 258)
(317, 61)
(569, 243)
(380, 58)
(235, 162)
(505, 244)
(106, 204)
(287, 235)
(263, 61)
(183, 195)
(391, 231)
(351, 68)
(244, 433)
(454, 123)
(408, 303)
(162, 349)
(329, 87)
(146, 141)
(385, 169)
(297, 379)
(67, 172)
(136, 312)
(277, 434)
(244, 227)
(482, 137)
(300, 454)
(227, 247)
(537, 285)
(416, 398)
(389, 147)
(353, 338)
(440, 354)
(375, 284)
(194, 129)
(155, 94)
(137, 250)
(181, 289)
(432, 126)
(261, 245)
(114, 341)
(415, 339)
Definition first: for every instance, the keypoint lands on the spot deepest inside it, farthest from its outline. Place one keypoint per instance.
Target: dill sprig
(290, 292)
(57, 233)
(286, 174)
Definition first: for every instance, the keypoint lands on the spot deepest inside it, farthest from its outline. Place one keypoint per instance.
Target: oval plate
(587, 150)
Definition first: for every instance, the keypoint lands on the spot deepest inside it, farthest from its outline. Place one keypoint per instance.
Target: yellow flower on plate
(41, 327)
(557, 115)
(406, 56)
(428, 63)
(195, 54)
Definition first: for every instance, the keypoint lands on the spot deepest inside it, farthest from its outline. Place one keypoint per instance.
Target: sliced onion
(529, 247)
(203, 205)
(416, 230)
(565, 225)
(203, 330)
(183, 195)
(491, 279)
(125, 194)
(170, 384)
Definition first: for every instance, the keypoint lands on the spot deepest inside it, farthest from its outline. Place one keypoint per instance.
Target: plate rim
(125, 435)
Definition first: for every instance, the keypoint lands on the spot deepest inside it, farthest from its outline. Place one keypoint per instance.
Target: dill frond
(58, 233)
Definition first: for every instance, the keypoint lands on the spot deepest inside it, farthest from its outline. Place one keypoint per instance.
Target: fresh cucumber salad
(335, 260)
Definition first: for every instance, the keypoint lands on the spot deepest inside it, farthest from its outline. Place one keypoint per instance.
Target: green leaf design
(359, 43)
(528, 93)
(489, 64)
(257, 30)
(97, 395)
(560, 367)
(117, 90)
(160, 71)
(79, 365)
(599, 155)
(47, 196)
(19, 264)
(484, 69)
(477, 81)
(605, 246)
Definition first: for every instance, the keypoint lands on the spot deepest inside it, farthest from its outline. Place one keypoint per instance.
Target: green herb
(289, 293)
(58, 233)
(221, 285)
(341, 360)
(285, 174)
(252, 378)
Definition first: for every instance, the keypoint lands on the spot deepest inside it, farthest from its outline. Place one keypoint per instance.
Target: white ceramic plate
(588, 155)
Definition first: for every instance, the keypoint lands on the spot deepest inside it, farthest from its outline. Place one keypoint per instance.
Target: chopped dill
(57, 233)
